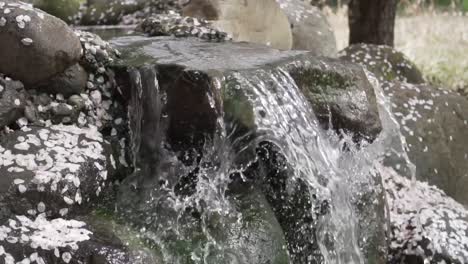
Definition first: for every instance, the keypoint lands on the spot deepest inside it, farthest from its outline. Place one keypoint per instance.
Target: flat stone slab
(195, 54)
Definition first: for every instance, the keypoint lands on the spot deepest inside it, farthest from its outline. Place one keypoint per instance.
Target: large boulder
(310, 28)
(240, 19)
(427, 226)
(386, 63)
(38, 239)
(342, 98)
(254, 94)
(52, 170)
(35, 45)
(434, 124)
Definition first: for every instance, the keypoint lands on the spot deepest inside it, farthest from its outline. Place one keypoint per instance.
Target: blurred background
(432, 33)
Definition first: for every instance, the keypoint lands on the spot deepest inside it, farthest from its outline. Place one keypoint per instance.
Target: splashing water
(284, 117)
(332, 166)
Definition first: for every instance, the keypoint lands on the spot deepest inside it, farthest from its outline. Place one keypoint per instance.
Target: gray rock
(427, 225)
(35, 45)
(12, 101)
(310, 28)
(434, 123)
(240, 19)
(386, 63)
(175, 25)
(62, 168)
(342, 97)
(72, 81)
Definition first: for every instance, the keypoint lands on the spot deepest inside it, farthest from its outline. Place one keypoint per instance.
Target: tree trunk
(372, 21)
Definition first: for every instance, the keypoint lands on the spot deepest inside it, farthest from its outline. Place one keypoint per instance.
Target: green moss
(63, 9)
(319, 80)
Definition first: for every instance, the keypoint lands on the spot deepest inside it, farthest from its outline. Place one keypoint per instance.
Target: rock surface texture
(310, 28)
(383, 61)
(434, 123)
(35, 45)
(240, 19)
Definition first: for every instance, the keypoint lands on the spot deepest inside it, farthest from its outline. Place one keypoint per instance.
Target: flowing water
(333, 167)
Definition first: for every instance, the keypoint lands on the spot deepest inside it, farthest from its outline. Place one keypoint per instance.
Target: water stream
(335, 170)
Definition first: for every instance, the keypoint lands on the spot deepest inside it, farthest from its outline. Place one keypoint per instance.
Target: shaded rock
(35, 46)
(342, 97)
(240, 20)
(427, 225)
(12, 101)
(51, 170)
(434, 123)
(385, 62)
(310, 28)
(72, 81)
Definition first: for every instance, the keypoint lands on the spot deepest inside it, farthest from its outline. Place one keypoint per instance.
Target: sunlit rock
(434, 123)
(310, 28)
(240, 19)
(427, 225)
(385, 62)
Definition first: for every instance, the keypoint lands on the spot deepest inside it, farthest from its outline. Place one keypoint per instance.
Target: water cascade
(252, 141)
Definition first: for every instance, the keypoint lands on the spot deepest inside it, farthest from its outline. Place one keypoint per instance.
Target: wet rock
(35, 46)
(12, 101)
(240, 20)
(434, 123)
(427, 225)
(245, 230)
(72, 81)
(342, 97)
(51, 170)
(383, 61)
(233, 86)
(38, 239)
(310, 28)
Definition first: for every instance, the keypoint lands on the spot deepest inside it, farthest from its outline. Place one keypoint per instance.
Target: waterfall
(267, 150)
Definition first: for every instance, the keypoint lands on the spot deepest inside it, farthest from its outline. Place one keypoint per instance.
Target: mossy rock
(249, 233)
(385, 62)
(63, 9)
